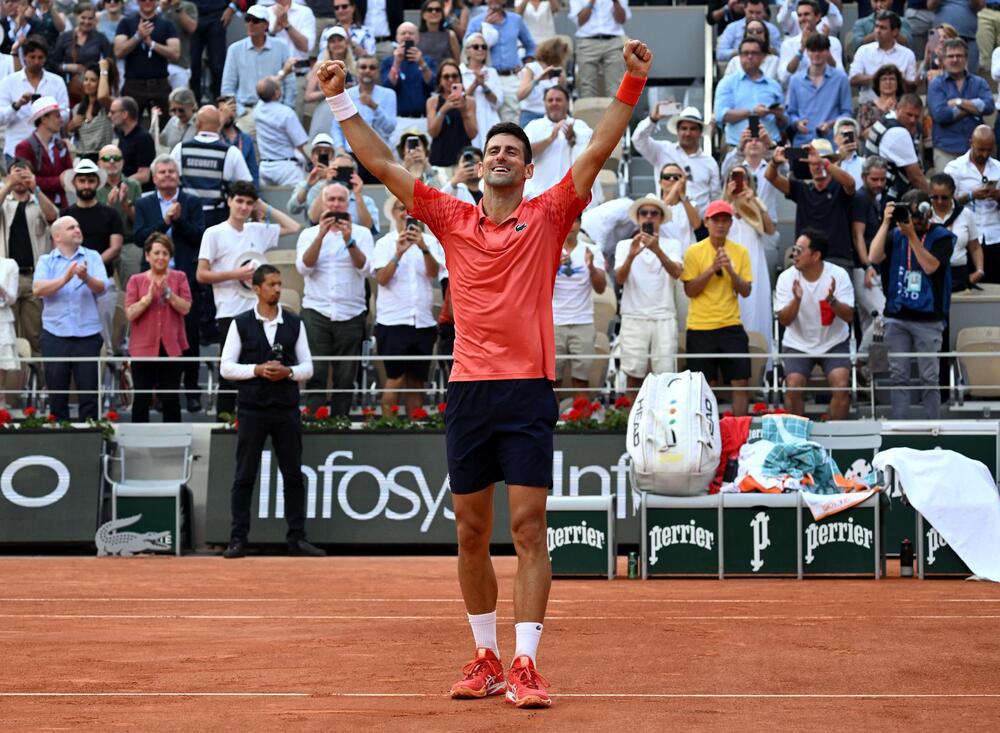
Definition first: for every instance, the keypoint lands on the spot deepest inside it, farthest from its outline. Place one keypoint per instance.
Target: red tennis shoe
(483, 677)
(525, 686)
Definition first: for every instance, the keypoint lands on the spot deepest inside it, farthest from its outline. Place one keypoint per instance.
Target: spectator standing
(538, 76)
(581, 273)
(557, 140)
(183, 14)
(451, 117)
(828, 15)
(77, 50)
(381, 17)
(208, 43)
(749, 93)
(156, 303)
(295, 24)
(279, 136)
(45, 150)
(181, 125)
(135, 142)
(888, 85)
(482, 84)
(987, 34)
(728, 43)
(818, 95)
(221, 247)
(864, 28)
(717, 272)
(822, 202)
(376, 105)
(406, 263)
(892, 138)
(977, 177)
(914, 257)
(921, 21)
(413, 149)
(793, 48)
(770, 66)
(884, 50)
(68, 280)
(866, 218)
(815, 304)
(508, 28)
(234, 136)
(266, 353)
(25, 215)
(334, 258)
(252, 59)
(539, 17)
(646, 266)
(19, 89)
(957, 100)
(18, 23)
(91, 124)
(411, 77)
(723, 12)
(208, 164)
(702, 183)
(437, 41)
(958, 220)
(600, 36)
(147, 43)
(108, 18)
(845, 138)
(361, 38)
(456, 16)
(179, 215)
(961, 14)
(51, 22)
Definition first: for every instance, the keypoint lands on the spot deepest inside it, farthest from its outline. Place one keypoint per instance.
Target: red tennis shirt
(501, 278)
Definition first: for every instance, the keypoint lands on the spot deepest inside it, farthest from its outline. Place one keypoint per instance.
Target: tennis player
(502, 257)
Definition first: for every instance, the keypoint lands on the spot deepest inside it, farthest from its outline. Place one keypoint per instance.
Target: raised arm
(371, 150)
(609, 131)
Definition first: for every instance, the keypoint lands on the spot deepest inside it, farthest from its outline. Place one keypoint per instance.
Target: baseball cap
(718, 207)
(322, 139)
(257, 11)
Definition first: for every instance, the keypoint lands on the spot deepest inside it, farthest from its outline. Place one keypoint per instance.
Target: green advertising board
(158, 514)
(49, 485)
(846, 543)
(680, 535)
(365, 487)
(760, 534)
(934, 555)
(580, 535)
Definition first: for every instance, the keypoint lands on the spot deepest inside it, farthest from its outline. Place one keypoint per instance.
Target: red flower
(419, 414)
(394, 409)
(442, 406)
(4, 417)
(824, 417)
(367, 411)
(595, 405)
(322, 413)
(564, 416)
(759, 408)
(29, 411)
(306, 412)
(51, 417)
(112, 416)
(779, 411)
(574, 414)
(236, 423)
(622, 402)
(581, 402)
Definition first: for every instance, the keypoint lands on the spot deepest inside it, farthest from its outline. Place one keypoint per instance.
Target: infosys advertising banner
(369, 488)
(49, 482)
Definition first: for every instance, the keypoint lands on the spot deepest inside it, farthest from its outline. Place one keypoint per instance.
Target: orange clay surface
(372, 644)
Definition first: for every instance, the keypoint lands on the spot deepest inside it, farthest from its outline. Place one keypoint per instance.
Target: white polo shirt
(573, 295)
(870, 57)
(302, 19)
(334, 286)
(221, 245)
(985, 212)
(601, 21)
(648, 291)
(556, 159)
(408, 298)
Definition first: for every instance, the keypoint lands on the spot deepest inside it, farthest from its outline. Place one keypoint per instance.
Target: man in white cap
(279, 136)
(703, 183)
(250, 60)
(45, 150)
(17, 91)
(646, 267)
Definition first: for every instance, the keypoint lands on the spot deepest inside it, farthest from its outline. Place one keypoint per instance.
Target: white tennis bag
(673, 435)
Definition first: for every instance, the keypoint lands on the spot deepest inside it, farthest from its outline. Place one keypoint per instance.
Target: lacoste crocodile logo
(520, 227)
(110, 541)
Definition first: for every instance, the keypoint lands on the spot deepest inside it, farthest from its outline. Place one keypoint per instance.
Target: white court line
(552, 601)
(612, 695)
(550, 617)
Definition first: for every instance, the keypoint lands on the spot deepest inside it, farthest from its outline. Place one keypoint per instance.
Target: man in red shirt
(502, 257)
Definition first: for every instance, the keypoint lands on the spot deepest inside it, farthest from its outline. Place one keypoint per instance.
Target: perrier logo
(678, 534)
(818, 535)
(576, 534)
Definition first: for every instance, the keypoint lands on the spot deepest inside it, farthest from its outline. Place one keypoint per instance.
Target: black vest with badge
(203, 165)
(896, 181)
(260, 393)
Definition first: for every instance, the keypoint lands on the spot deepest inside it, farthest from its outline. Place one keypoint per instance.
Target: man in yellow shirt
(716, 271)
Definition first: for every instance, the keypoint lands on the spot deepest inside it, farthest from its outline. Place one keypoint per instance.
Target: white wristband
(341, 106)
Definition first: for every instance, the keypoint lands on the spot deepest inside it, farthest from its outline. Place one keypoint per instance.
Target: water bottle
(878, 352)
(906, 559)
(633, 565)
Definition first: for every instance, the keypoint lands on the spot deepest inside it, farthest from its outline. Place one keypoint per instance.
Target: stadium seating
(980, 376)
(284, 260)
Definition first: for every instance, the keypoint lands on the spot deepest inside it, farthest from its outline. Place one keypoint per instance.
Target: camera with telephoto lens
(900, 214)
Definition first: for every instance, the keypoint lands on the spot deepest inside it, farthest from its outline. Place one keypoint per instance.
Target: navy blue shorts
(500, 430)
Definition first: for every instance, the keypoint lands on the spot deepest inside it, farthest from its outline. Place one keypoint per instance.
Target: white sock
(484, 630)
(528, 636)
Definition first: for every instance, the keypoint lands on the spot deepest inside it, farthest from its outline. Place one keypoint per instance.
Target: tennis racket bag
(673, 436)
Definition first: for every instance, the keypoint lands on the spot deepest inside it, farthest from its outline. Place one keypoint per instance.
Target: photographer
(334, 258)
(464, 184)
(406, 264)
(266, 353)
(334, 168)
(451, 116)
(914, 255)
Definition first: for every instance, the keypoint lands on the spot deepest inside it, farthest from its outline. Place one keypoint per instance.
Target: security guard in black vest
(266, 353)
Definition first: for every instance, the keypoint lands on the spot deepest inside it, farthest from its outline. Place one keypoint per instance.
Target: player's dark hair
(509, 128)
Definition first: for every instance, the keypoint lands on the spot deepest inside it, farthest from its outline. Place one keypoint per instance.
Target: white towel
(958, 496)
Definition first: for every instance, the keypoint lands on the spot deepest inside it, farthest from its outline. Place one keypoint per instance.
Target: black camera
(468, 158)
(323, 157)
(900, 214)
(412, 223)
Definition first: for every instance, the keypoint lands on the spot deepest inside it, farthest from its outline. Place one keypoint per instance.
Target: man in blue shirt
(376, 105)
(957, 101)
(68, 280)
(728, 43)
(508, 29)
(817, 95)
(411, 76)
(747, 93)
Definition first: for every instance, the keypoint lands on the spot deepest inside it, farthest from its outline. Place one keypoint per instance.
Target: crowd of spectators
(137, 142)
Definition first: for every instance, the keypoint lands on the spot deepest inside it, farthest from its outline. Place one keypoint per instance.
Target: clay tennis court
(340, 644)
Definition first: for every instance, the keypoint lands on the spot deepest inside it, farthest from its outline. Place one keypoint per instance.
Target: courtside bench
(581, 535)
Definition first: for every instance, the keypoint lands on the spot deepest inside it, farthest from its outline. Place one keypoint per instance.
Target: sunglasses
(451, 76)
(649, 212)
(477, 46)
(432, 10)
(670, 177)
(341, 7)
(111, 158)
